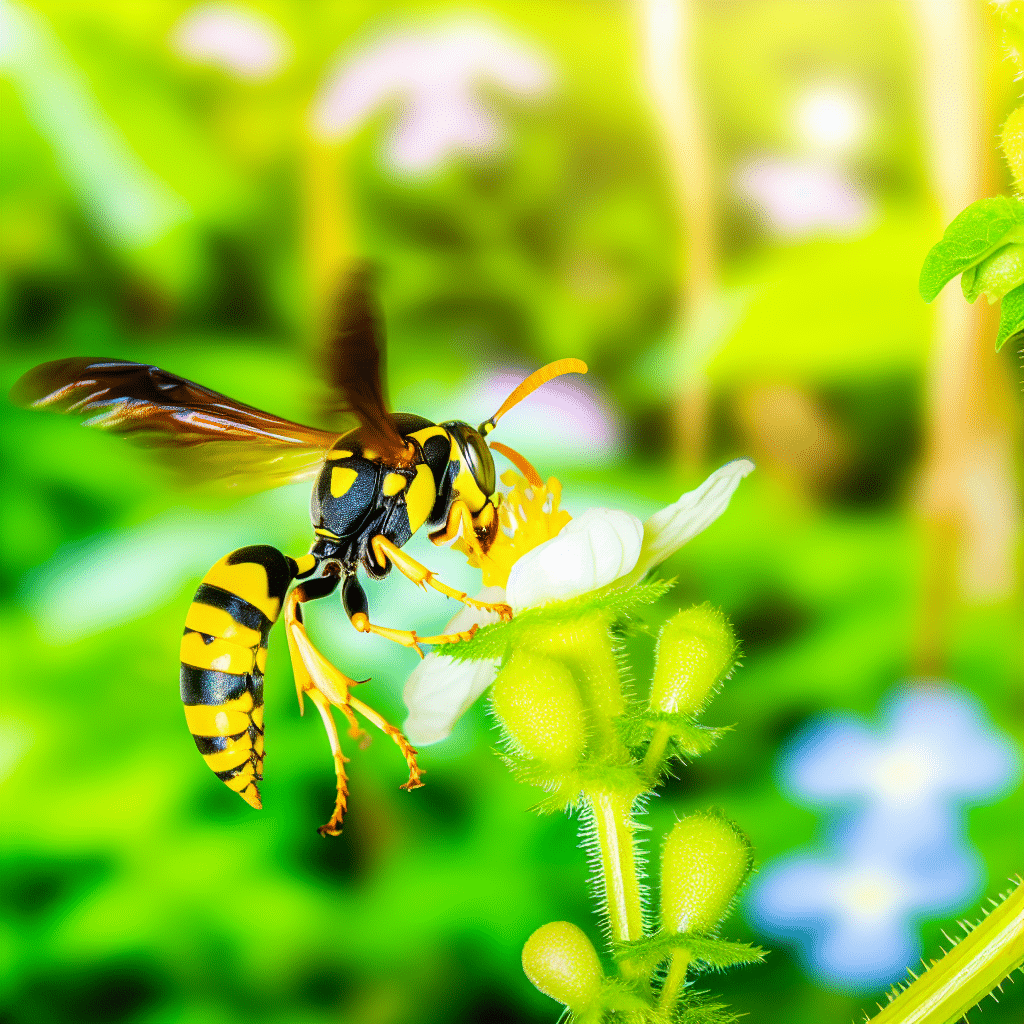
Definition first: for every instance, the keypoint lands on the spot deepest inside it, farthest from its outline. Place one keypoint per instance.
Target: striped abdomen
(223, 657)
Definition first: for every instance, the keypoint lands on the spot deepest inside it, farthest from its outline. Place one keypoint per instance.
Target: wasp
(374, 487)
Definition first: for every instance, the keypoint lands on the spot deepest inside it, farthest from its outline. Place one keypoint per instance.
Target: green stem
(967, 973)
(614, 829)
(656, 751)
(674, 980)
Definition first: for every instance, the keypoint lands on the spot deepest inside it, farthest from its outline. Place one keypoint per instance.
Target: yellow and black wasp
(375, 486)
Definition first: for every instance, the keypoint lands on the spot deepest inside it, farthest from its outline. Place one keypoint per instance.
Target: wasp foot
(398, 737)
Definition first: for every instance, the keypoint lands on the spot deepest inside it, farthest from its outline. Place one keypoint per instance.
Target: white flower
(601, 548)
(240, 41)
(801, 197)
(432, 77)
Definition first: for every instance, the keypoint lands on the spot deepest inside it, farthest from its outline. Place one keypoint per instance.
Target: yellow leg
(408, 751)
(333, 827)
(325, 685)
(316, 677)
(459, 516)
(409, 637)
(384, 551)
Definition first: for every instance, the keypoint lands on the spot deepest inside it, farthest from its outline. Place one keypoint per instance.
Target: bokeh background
(722, 207)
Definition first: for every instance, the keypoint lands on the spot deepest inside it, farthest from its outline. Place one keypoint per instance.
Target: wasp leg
(333, 827)
(313, 672)
(459, 517)
(408, 751)
(325, 685)
(354, 598)
(384, 551)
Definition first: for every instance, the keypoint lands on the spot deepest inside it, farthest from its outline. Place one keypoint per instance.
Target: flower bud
(704, 862)
(560, 960)
(539, 704)
(696, 649)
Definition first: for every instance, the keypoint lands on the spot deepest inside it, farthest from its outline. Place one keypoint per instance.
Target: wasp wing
(355, 367)
(205, 435)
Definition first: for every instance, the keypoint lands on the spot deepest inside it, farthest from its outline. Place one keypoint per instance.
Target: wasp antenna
(519, 461)
(534, 381)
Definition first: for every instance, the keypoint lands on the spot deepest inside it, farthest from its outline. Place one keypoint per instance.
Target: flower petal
(592, 550)
(668, 530)
(440, 689)
(438, 693)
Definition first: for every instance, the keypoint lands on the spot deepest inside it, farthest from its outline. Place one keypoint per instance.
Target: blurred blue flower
(934, 751)
(896, 851)
(854, 912)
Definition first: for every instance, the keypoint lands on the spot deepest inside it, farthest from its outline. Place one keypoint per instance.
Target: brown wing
(157, 409)
(355, 368)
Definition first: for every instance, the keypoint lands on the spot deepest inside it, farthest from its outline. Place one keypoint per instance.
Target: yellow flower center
(528, 515)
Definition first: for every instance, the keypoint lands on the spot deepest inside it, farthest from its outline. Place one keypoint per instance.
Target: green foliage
(572, 731)
(973, 235)
(1011, 317)
(982, 244)
(690, 737)
(703, 950)
(996, 275)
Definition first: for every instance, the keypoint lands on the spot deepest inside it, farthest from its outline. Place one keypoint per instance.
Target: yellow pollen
(527, 516)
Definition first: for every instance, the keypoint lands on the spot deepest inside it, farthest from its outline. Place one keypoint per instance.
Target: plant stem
(674, 980)
(967, 973)
(618, 863)
(656, 751)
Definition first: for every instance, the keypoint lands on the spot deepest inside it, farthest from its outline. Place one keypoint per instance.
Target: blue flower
(895, 851)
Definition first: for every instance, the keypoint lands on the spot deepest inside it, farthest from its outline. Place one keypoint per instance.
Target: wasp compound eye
(475, 454)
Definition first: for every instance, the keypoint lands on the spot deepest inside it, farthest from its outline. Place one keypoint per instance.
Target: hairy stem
(967, 973)
(614, 828)
(656, 751)
(674, 980)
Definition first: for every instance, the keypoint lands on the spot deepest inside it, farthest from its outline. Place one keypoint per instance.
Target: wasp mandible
(375, 486)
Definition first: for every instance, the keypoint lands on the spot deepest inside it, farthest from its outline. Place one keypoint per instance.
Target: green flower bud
(696, 649)
(539, 704)
(560, 960)
(583, 642)
(704, 862)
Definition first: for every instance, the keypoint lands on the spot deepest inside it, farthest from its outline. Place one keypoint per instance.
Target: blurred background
(723, 208)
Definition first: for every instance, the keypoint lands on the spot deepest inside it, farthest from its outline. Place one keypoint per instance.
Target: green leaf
(975, 234)
(691, 739)
(1011, 319)
(716, 954)
(698, 1009)
(996, 275)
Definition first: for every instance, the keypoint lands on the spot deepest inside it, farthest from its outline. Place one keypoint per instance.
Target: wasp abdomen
(223, 657)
